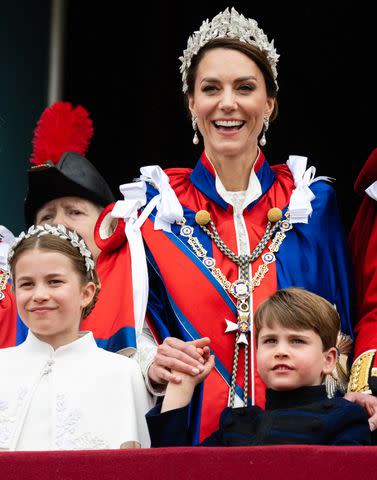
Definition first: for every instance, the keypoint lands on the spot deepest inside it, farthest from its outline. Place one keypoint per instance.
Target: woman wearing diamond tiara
(58, 390)
(221, 238)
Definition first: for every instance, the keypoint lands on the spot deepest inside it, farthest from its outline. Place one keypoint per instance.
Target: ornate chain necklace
(4, 275)
(243, 287)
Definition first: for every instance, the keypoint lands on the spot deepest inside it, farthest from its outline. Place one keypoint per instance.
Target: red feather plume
(61, 128)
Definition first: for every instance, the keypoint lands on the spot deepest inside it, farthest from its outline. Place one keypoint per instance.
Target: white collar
(84, 343)
(253, 191)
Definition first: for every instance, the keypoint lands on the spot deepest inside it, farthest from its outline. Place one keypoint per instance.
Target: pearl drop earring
(266, 122)
(195, 140)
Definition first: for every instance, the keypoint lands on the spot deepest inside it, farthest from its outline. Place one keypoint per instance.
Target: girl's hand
(190, 380)
(178, 356)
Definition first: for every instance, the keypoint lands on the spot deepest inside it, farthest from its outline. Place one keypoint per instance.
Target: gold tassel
(338, 378)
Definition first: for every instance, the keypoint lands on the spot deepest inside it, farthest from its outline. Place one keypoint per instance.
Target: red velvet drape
(277, 463)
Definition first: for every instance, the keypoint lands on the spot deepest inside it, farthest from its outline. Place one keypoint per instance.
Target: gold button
(274, 214)
(202, 217)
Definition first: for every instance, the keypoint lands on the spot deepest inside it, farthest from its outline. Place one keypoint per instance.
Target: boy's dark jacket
(301, 416)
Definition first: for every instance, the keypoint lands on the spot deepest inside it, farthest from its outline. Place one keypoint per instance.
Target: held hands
(194, 380)
(369, 402)
(175, 357)
(180, 395)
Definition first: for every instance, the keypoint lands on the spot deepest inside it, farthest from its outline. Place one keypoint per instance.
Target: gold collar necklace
(243, 287)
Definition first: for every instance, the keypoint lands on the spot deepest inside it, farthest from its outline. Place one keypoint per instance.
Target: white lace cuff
(145, 354)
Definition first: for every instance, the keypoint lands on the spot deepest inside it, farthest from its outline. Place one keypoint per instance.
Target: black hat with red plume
(60, 169)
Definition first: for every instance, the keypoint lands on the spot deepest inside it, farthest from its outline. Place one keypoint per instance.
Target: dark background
(124, 68)
(24, 42)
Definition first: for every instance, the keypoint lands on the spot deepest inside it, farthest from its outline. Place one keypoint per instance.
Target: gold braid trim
(4, 275)
(360, 371)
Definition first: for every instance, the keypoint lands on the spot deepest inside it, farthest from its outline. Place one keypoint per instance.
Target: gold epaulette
(361, 371)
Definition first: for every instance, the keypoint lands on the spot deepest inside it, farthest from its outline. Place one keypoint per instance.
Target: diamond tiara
(59, 231)
(228, 25)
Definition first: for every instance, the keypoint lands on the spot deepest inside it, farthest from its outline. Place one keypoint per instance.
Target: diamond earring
(266, 122)
(195, 140)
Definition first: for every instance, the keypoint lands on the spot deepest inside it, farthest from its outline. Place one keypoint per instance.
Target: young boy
(296, 333)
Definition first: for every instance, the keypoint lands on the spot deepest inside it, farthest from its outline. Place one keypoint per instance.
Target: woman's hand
(180, 356)
(369, 402)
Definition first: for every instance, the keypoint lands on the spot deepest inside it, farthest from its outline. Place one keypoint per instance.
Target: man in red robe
(363, 242)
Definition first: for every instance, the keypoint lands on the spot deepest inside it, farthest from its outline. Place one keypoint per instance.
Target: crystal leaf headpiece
(61, 232)
(228, 25)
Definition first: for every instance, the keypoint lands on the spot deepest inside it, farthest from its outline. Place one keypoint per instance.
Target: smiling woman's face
(230, 102)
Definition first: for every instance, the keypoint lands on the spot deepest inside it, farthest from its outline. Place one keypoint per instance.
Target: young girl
(58, 390)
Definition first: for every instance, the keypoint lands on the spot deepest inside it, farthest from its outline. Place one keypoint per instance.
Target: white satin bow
(134, 198)
(300, 207)
(169, 210)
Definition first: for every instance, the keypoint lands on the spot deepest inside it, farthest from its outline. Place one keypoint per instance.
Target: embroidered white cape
(76, 397)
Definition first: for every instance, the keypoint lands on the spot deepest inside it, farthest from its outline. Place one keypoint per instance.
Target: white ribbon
(300, 207)
(134, 199)
(169, 210)
(6, 241)
(372, 191)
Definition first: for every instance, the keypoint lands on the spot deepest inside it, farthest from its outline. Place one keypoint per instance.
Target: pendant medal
(240, 289)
